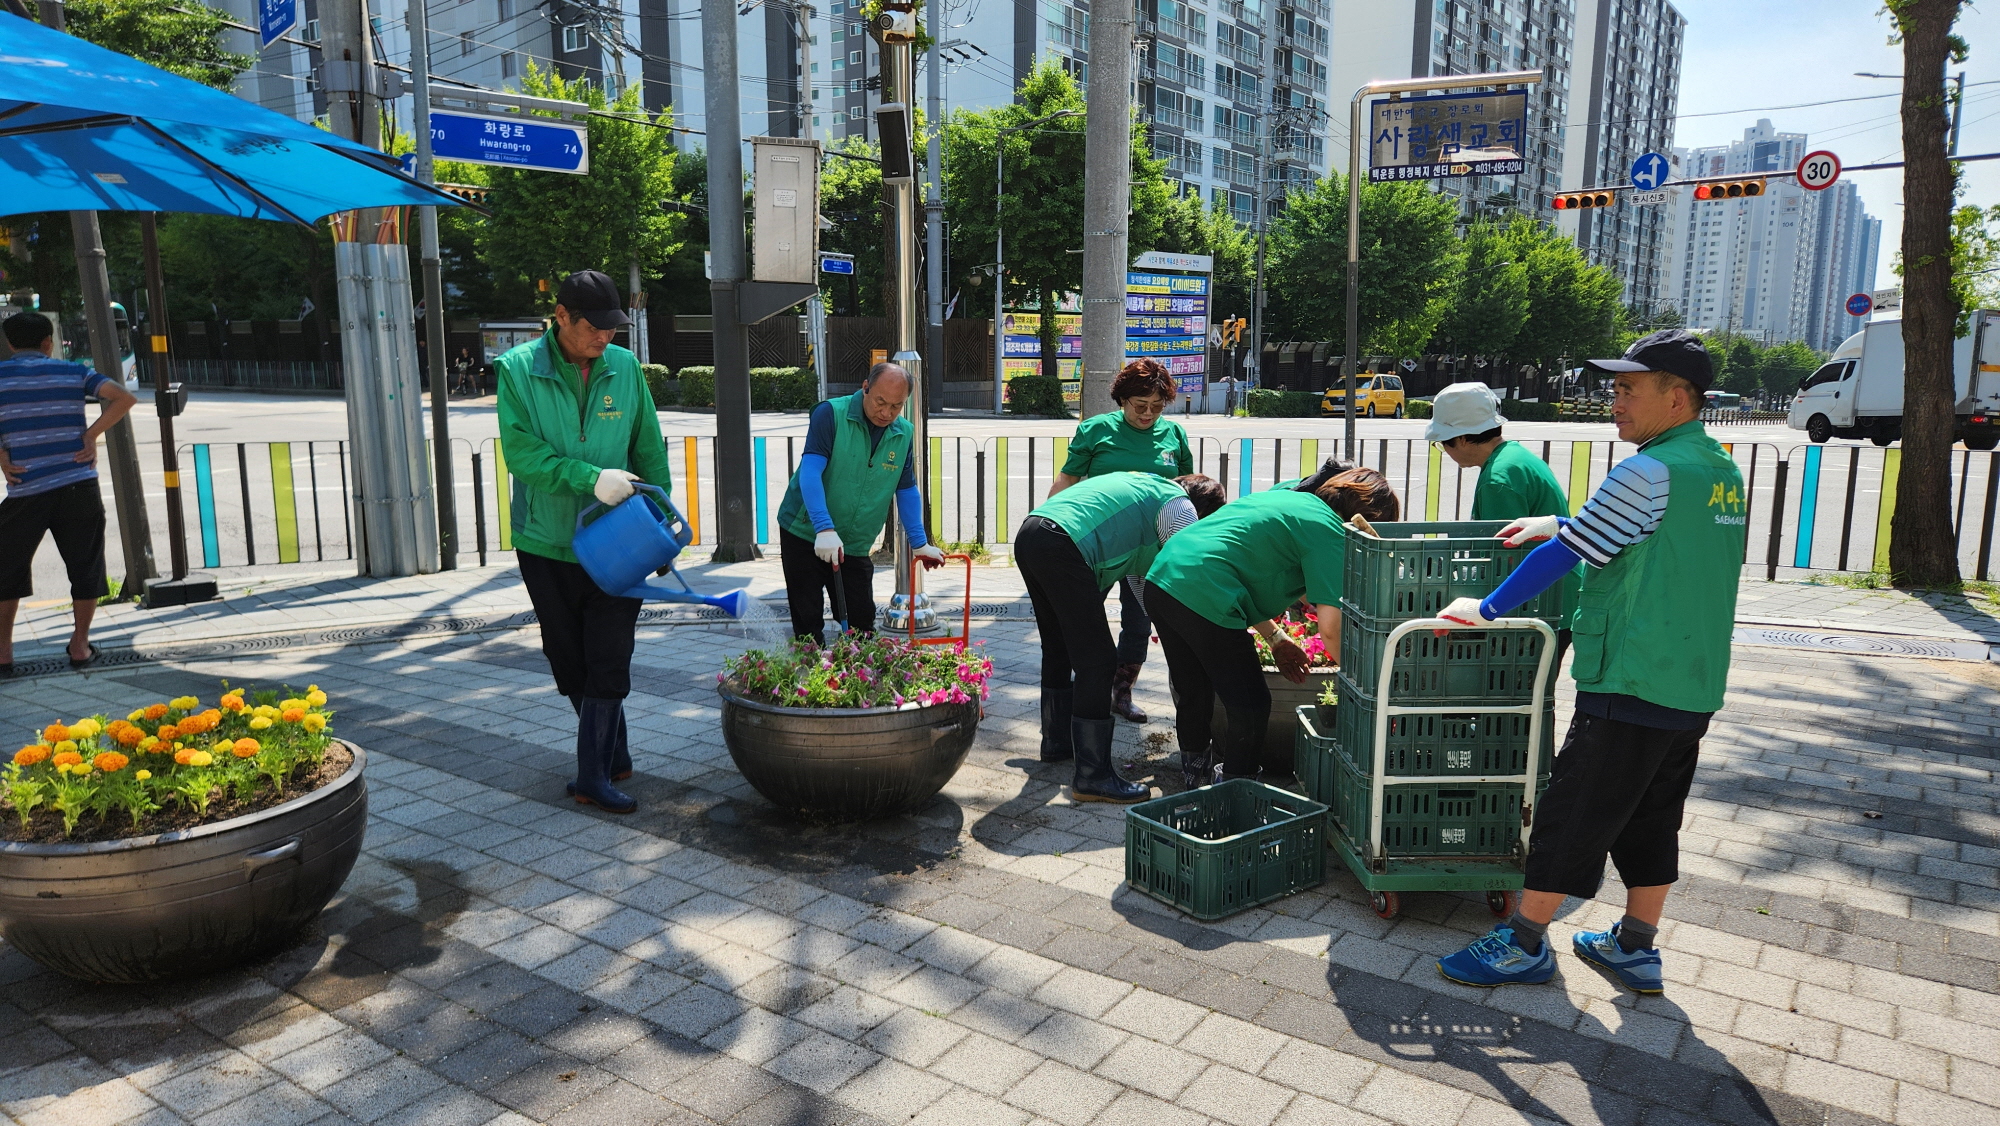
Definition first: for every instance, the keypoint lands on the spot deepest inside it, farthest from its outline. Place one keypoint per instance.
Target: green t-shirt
(1515, 483)
(1113, 518)
(1107, 443)
(1254, 557)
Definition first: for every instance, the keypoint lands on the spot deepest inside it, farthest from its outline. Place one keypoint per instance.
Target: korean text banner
(1447, 135)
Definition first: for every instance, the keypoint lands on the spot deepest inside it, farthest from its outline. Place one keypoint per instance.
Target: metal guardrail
(1821, 508)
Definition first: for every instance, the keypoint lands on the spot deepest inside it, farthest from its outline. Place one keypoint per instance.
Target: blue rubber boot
(597, 726)
(1095, 778)
(1057, 745)
(1638, 969)
(1496, 959)
(621, 754)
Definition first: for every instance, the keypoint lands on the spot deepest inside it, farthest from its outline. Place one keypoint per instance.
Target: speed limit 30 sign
(1818, 171)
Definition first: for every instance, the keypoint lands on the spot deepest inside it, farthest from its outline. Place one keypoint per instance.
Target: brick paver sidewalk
(500, 954)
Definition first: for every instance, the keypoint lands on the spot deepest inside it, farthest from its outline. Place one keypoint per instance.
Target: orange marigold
(233, 702)
(245, 748)
(54, 733)
(67, 758)
(182, 754)
(130, 736)
(293, 715)
(30, 755)
(109, 762)
(168, 732)
(156, 711)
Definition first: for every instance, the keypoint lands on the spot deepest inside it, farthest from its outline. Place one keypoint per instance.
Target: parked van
(1858, 393)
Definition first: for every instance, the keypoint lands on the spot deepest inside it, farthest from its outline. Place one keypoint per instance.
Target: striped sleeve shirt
(42, 420)
(1624, 510)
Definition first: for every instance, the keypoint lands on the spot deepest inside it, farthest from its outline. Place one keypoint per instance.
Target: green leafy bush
(698, 387)
(783, 389)
(1283, 404)
(1037, 395)
(660, 384)
(1515, 410)
(1417, 408)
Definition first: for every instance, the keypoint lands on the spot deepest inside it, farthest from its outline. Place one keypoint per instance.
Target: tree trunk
(1922, 549)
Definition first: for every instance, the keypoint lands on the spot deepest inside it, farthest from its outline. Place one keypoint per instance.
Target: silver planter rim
(126, 844)
(732, 697)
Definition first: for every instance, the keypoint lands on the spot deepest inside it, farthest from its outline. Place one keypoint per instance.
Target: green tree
(184, 38)
(1975, 261)
(1188, 227)
(1784, 366)
(1409, 265)
(850, 197)
(545, 225)
(1491, 305)
(1573, 309)
(1043, 201)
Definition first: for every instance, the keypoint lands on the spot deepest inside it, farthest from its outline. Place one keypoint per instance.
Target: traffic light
(1729, 189)
(1573, 201)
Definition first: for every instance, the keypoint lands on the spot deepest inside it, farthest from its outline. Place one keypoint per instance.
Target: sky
(1742, 54)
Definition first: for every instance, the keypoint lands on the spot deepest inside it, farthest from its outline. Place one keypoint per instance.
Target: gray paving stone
(1062, 1093)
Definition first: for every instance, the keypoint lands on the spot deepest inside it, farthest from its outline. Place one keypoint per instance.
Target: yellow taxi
(1375, 396)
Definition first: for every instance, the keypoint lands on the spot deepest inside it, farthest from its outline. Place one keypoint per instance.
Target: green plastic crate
(1462, 666)
(1313, 752)
(1417, 569)
(1430, 818)
(1470, 742)
(1222, 849)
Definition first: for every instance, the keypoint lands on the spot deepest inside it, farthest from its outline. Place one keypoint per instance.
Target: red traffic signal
(1730, 189)
(1571, 201)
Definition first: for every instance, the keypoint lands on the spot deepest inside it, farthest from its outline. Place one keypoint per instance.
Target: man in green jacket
(1664, 539)
(577, 426)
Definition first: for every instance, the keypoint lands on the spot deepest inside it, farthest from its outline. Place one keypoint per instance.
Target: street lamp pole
(1351, 347)
(1000, 252)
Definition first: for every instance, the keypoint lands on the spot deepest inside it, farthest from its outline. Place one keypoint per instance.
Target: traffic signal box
(1573, 201)
(1729, 189)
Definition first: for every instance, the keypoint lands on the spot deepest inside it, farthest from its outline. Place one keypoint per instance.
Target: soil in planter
(45, 826)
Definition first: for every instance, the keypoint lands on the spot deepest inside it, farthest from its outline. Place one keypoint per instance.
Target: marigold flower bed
(169, 766)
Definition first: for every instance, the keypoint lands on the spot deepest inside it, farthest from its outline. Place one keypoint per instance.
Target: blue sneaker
(1639, 970)
(1494, 959)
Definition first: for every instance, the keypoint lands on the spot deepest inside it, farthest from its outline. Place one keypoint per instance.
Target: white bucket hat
(1463, 408)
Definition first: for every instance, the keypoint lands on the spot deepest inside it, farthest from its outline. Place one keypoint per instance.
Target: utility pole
(934, 224)
(128, 496)
(427, 221)
(735, 515)
(1107, 201)
(897, 28)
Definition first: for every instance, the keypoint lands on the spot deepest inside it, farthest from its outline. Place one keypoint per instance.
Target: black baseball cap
(1675, 351)
(590, 294)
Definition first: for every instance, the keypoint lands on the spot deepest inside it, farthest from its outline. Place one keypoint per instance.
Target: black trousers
(1135, 628)
(1616, 789)
(809, 588)
(586, 633)
(1206, 661)
(1069, 612)
(75, 515)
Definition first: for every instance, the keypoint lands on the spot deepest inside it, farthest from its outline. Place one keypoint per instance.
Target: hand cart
(1430, 864)
(966, 635)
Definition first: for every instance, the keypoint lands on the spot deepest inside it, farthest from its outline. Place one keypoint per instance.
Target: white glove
(613, 485)
(1466, 612)
(931, 554)
(1529, 529)
(826, 545)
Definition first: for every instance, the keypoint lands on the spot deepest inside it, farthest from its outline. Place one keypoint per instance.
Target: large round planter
(848, 764)
(1278, 736)
(187, 902)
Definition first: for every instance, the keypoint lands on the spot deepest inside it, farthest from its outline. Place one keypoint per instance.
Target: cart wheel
(1502, 903)
(1386, 904)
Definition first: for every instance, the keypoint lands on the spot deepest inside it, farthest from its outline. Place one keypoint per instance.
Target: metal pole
(999, 272)
(934, 226)
(156, 331)
(1957, 110)
(1257, 278)
(1107, 200)
(736, 538)
(898, 68)
(427, 222)
(636, 299)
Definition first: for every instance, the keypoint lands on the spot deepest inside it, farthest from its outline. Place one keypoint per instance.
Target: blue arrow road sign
(542, 143)
(274, 18)
(1649, 172)
(829, 264)
(1860, 305)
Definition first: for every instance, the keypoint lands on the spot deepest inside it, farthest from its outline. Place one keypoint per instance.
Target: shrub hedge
(1417, 408)
(1283, 404)
(1036, 395)
(697, 386)
(660, 384)
(783, 389)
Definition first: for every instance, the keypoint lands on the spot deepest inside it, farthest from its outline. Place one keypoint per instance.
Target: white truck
(1858, 392)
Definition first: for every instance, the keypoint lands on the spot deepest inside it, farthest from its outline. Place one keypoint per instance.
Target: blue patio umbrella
(83, 128)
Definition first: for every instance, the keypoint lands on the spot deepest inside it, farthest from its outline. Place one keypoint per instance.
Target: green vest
(1656, 622)
(1114, 521)
(860, 483)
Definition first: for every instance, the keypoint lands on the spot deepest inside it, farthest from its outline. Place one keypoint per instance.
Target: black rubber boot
(1197, 770)
(1243, 747)
(1121, 695)
(1056, 742)
(597, 724)
(1096, 779)
(621, 754)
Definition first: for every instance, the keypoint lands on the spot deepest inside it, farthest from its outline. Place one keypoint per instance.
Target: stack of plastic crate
(1414, 571)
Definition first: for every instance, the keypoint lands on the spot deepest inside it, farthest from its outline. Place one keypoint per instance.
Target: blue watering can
(622, 548)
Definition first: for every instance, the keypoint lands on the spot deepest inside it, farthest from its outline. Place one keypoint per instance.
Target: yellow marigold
(315, 697)
(314, 722)
(200, 758)
(143, 775)
(293, 715)
(245, 748)
(66, 746)
(148, 744)
(67, 758)
(81, 770)
(156, 711)
(260, 723)
(137, 715)
(130, 736)
(184, 703)
(110, 762)
(30, 755)
(54, 733)
(289, 704)
(265, 710)
(85, 728)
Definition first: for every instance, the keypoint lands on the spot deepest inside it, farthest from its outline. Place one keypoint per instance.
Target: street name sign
(1818, 171)
(541, 143)
(1664, 195)
(836, 263)
(1428, 138)
(275, 18)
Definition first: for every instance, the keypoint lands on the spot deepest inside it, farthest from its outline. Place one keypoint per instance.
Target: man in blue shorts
(49, 457)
